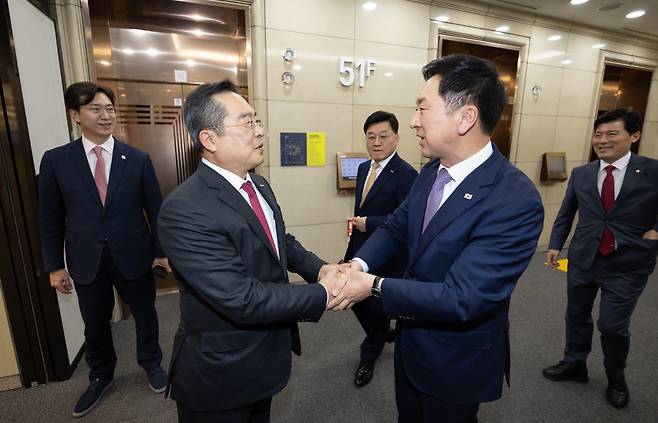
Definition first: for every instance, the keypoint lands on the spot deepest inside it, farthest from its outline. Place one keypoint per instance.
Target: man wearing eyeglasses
(99, 198)
(224, 233)
(382, 184)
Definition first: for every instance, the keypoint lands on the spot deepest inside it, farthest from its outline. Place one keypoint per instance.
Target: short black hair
(467, 79)
(82, 93)
(381, 116)
(202, 111)
(632, 120)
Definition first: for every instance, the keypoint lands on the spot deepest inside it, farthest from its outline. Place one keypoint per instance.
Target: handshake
(346, 283)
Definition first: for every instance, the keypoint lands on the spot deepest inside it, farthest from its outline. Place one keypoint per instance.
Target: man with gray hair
(224, 233)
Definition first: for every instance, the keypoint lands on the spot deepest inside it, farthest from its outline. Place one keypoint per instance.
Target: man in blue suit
(471, 222)
(613, 249)
(382, 184)
(99, 199)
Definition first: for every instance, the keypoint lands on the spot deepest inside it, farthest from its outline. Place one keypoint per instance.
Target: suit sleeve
(211, 265)
(301, 261)
(52, 218)
(565, 216)
(482, 277)
(406, 180)
(152, 203)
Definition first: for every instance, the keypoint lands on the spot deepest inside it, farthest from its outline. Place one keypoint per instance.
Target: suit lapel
(119, 162)
(232, 198)
(362, 174)
(81, 164)
(632, 177)
(591, 181)
(268, 195)
(384, 176)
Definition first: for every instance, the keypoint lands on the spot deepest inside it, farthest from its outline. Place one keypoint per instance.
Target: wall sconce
(288, 55)
(536, 91)
(287, 77)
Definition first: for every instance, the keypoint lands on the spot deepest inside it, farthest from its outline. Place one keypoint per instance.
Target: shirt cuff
(327, 291)
(363, 264)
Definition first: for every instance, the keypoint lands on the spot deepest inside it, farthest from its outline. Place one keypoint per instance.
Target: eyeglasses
(252, 124)
(383, 137)
(97, 110)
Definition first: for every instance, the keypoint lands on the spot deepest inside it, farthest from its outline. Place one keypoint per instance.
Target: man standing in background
(99, 198)
(382, 184)
(613, 249)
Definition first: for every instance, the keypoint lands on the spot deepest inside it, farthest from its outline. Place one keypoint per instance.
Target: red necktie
(258, 210)
(99, 173)
(607, 244)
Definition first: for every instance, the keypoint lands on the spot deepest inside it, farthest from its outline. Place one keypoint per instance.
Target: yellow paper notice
(315, 148)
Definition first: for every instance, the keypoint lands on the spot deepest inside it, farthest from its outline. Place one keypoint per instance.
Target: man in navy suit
(224, 233)
(382, 183)
(99, 199)
(471, 222)
(613, 249)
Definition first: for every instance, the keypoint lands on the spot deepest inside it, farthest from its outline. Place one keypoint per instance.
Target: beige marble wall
(401, 36)
(8, 363)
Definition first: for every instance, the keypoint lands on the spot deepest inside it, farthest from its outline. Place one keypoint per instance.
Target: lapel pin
(468, 196)
(123, 157)
(262, 185)
(637, 171)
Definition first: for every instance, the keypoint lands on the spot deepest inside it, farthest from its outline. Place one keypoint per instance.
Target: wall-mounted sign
(303, 149)
(347, 67)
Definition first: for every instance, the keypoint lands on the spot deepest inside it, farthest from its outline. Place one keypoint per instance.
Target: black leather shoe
(617, 392)
(390, 337)
(92, 396)
(158, 380)
(363, 376)
(566, 371)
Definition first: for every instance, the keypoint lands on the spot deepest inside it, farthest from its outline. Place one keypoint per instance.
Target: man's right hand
(551, 258)
(61, 281)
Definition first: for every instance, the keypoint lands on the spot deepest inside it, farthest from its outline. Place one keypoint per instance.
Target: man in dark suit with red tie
(99, 198)
(613, 249)
(382, 184)
(224, 233)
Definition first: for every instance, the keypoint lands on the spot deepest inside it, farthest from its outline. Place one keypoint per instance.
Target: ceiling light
(443, 18)
(502, 28)
(600, 45)
(369, 5)
(635, 14)
(554, 37)
(566, 61)
(577, 2)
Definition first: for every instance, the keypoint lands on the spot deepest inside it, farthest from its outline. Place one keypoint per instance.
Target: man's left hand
(358, 288)
(162, 261)
(651, 234)
(359, 223)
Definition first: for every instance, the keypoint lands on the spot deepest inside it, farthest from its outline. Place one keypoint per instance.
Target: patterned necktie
(607, 244)
(99, 173)
(370, 181)
(434, 199)
(258, 210)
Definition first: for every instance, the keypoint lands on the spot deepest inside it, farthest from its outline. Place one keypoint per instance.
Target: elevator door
(152, 54)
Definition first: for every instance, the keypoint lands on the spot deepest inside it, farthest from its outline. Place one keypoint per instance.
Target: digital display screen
(555, 164)
(350, 167)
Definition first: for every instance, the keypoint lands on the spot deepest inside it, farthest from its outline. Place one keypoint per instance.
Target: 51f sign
(348, 67)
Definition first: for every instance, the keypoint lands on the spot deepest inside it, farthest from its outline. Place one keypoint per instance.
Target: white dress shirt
(618, 173)
(458, 172)
(379, 170)
(108, 148)
(236, 182)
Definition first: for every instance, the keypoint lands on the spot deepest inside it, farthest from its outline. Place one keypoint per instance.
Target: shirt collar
(108, 145)
(461, 170)
(384, 162)
(620, 164)
(233, 179)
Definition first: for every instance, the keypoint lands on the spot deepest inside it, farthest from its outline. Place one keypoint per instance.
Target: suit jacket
(386, 194)
(452, 306)
(634, 212)
(238, 312)
(71, 212)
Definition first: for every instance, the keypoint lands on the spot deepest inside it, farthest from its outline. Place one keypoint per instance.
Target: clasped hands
(346, 283)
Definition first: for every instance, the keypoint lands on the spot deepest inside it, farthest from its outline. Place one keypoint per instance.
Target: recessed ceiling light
(600, 45)
(502, 28)
(554, 37)
(635, 14)
(443, 18)
(566, 62)
(369, 5)
(577, 2)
